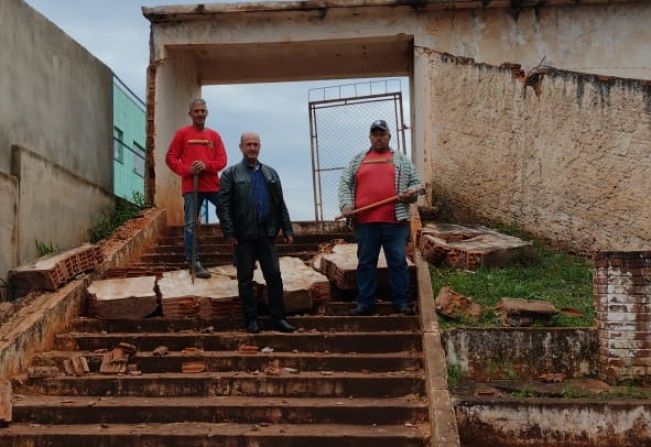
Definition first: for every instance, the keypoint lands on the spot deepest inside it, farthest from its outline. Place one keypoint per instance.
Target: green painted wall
(128, 142)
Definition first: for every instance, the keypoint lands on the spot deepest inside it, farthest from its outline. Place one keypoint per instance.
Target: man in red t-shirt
(371, 176)
(198, 150)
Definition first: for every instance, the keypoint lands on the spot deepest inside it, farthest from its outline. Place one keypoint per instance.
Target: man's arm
(224, 204)
(173, 156)
(345, 190)
(218, 162)
(413, 182)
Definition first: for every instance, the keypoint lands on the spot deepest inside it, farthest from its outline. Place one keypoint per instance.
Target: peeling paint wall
(544, 422)
(56, 103)
(571, 165)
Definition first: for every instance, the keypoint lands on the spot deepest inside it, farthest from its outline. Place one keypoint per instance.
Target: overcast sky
(116, 33)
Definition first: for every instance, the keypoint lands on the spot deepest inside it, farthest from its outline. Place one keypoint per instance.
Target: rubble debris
(519, 312)
(116, 360)
(552, 377)
(76, 366)
(192, 351)
(571, 312)
(340, 266)
(214, 297)
(52, 271)
(470, 247)
(302, 285)
(195, 366)
(456, 306)
(5, 403)
(160, 351)
(42, 372)
(267, 349)
(123, 297)
(248, 348)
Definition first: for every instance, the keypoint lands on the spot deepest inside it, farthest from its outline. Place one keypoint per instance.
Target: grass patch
(45, 248)
(563, 279)
(124, 210)
(454, 376)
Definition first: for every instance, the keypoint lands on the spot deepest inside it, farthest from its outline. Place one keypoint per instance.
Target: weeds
(45, 248)
(454, 376)
(124, 210)
(563, 279)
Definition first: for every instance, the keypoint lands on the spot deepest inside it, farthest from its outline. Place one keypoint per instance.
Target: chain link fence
(339, 129)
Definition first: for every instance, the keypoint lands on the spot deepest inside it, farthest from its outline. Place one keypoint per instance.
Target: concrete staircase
(339, 380)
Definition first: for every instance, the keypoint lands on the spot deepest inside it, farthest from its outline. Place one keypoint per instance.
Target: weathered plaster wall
(56, 102)
(59, 209)
(545, 422)
(526, 353)
(572, 165)
(56, 96)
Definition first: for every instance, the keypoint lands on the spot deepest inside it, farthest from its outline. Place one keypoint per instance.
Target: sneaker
(199, 271)
(360, 311)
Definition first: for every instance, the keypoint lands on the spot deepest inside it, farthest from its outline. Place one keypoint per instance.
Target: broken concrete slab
(302, 285)
(340, 266)
(123, 297)
(470, 247)
(456, 306)
(116, 361)
(214, 297)
(52, 271)
(518, 312)
(5, 403)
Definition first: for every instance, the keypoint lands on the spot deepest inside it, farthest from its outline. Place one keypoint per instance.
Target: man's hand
(289, 239)
(347, 211)
(407, 196)
(232, 241)
(197, 166)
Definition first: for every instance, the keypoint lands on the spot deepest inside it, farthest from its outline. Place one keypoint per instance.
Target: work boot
(199, 271)
(360, 311)
(406, 309)
(283, 326)
(252, 326)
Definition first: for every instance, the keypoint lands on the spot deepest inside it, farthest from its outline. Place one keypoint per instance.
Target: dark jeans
(262, 249)
(393, 238)
(212, 197)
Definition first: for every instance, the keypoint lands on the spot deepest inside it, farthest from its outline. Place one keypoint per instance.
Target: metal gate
(339, 129)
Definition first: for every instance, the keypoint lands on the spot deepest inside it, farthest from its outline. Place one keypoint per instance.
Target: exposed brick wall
(622, 292)
(570, 165)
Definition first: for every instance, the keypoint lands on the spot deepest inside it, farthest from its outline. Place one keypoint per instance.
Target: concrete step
(207, 238)
(395, 341)
(311, 323)
(304, 384)
(215, 435)
(239, 361)
(218, 409)
(212, 257)
(227, 248)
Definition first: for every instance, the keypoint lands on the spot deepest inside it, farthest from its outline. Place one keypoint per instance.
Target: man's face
(250, 147)
(198, 114)
(380, 140)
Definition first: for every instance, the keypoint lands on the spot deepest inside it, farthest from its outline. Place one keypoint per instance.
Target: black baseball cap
(380, 125)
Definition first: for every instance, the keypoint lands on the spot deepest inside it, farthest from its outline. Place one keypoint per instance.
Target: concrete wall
(56, 102)
(485, 354)
(571, 165)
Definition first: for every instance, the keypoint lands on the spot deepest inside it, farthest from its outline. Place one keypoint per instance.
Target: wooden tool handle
(419, 190)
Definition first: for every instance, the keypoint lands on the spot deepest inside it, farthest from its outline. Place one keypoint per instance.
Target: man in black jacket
(252, 211)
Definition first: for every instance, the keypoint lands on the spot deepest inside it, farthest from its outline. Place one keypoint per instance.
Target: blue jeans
(393, 238)
(188, 219)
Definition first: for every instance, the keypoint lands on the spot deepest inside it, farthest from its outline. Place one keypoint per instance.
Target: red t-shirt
(376, 180)
(190, 144)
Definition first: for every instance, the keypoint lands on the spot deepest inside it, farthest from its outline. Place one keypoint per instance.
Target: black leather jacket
(236, 205)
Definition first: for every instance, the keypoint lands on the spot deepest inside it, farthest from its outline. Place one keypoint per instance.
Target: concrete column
(421, 113)
(622, 293)
(176, 83)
